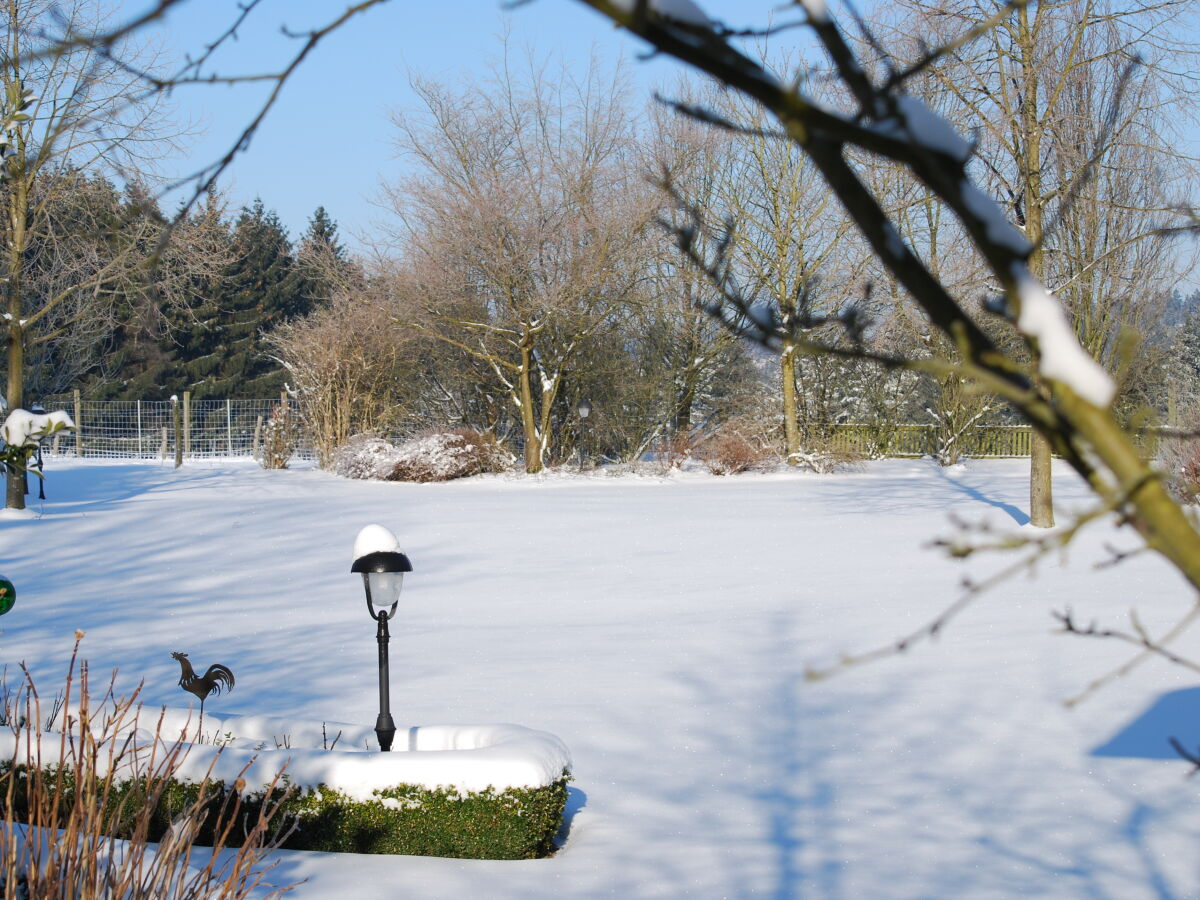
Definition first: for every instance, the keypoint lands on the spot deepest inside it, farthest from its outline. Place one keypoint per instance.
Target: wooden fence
(978, 442)
(981, 441)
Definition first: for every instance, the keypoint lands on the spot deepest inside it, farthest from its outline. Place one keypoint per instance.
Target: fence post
(229, 425)
(163, 450)
(187, 423)
(176, 419)
(139, 427)
(78, 424)
(254, 451)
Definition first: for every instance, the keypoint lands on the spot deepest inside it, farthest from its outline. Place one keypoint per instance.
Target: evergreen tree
(323, 260)
(262, 287)
(322, 236)
(159, 335)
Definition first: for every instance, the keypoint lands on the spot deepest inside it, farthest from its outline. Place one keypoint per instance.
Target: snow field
(661, 627)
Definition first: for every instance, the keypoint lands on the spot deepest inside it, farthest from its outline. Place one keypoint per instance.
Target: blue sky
(328, 141)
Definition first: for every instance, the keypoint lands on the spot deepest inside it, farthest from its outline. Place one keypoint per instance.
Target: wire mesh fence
(162, 429)
(159, 429)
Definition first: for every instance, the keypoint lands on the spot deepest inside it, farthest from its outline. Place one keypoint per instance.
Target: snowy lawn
(661, 628)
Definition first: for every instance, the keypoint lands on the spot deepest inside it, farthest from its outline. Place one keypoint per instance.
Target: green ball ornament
(8, 595)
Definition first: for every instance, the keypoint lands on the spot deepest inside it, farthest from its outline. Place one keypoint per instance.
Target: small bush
(1180, 460)
(820, 453)
(730, 452)
(676, 450)
(825, 461)
(280, 437)
(445, 455)
(365, 456)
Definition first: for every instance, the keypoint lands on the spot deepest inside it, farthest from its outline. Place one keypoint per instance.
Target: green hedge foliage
(516, 823)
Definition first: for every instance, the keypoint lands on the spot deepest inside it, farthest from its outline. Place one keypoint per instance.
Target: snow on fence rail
(155, 429)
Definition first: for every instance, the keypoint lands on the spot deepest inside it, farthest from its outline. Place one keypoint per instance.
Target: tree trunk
(533, 441)
(1041, 495)
(791, 425)
(15, 479)
(1029, 142)
(684, 402)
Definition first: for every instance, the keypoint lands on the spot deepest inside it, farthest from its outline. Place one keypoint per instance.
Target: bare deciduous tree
(1063, 393)
(64, 267)
(521, 226)
(348, 363)
(1073, 141)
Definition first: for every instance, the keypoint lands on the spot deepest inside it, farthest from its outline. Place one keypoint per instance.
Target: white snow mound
(464, 758)
(26, 429)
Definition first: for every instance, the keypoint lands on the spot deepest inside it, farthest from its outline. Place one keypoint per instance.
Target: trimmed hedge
(516, 823)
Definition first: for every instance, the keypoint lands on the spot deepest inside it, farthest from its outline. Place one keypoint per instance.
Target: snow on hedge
(465, 758)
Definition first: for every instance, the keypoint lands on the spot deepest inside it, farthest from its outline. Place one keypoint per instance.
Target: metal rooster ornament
(216, 678)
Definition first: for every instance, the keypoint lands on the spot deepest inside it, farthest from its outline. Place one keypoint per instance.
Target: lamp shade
(584, 408)
(378, 558)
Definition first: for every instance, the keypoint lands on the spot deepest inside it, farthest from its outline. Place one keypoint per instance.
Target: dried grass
(74, 828)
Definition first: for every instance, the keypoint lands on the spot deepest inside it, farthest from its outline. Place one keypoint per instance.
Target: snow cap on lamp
(377, 556)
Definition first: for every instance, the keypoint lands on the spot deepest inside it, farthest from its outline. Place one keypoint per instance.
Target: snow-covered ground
(661, 628)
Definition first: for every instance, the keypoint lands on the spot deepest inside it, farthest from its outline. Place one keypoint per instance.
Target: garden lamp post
(584, 408)
(378, 558)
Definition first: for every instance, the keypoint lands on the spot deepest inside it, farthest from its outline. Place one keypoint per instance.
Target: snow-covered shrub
(365, 456)
(279, 438)
(730, 450)
(437, 456)
(824, 460)
(1180, 460)
(444, 455)
(822, 451)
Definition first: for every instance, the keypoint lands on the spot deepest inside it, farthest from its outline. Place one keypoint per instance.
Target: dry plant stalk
(62, 817)
(279, 438)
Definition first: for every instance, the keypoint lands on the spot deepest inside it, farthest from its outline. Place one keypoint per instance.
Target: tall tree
(63, 268)
(158, 333)
(678, 339)
(261, 288)
(520, 226)
(1075, 141)
(325, 266)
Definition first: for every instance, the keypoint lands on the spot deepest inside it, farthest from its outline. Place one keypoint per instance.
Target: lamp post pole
(385, 728)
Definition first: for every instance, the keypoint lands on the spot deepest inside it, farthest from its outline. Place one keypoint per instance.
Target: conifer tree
(159, 335)
(325, 266)
(261, 288)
